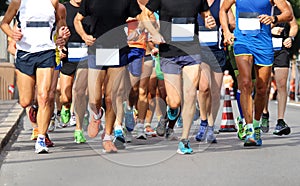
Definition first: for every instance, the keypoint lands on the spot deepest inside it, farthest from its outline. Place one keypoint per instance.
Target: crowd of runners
(130, 61)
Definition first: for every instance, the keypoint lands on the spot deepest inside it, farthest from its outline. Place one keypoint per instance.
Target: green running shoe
(241, 131)
(264, 124)
(65, 115)
(79, 137)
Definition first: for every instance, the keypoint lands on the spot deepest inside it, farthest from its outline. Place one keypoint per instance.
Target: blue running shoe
(282, 128)
(184, 147)
(210, 137)
(179, 122)
(119, 139)
(250, 138)
(129, 118)
(173, 113)
(202, 131)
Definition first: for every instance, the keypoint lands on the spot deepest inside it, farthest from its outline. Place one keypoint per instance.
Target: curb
(10, 114)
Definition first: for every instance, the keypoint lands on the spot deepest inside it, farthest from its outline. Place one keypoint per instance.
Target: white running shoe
(72, 120)
(40, 146)
(140, 132)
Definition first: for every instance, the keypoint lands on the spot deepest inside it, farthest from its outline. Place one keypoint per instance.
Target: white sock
(107, 137)
(41, 136)
(118, 127)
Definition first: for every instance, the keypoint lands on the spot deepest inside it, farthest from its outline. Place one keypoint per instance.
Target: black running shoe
(282, 128)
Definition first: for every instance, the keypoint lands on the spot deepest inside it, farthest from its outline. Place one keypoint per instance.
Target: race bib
(249, 21)
(77, 51)
(208, 37)
(182, 29)
(107, 56)
(277, 42)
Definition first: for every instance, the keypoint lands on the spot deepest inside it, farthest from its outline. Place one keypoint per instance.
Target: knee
(245, 85)
(25, 102)
(174, 103)
(142, 93)
(43, 98)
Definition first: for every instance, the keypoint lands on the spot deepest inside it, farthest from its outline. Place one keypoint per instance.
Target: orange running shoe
(34, 134)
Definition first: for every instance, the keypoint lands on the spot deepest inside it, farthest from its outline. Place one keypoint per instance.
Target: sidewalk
(10, 113)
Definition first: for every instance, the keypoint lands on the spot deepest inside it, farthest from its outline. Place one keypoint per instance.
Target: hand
(89, 40)
(228, 38)
(17, 34)
(64, 32)
(60, 42)
(266, 19)
(154, 51)
(210, 22)
(288, 42)
(277, 30)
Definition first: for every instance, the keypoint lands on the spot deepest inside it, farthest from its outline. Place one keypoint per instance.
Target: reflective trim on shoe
(79, 137)
(184, 147)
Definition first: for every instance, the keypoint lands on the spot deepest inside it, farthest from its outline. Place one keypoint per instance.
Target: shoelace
(257, 133)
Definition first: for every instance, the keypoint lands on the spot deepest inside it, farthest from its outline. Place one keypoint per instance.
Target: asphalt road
(154, 161)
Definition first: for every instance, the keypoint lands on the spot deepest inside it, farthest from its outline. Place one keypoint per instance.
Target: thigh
(173, 86)
(26, 87)
(80, 81)
(244, 65)
(43, 80)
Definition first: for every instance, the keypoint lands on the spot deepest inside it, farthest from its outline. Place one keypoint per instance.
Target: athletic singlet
(278, 39)
(214, 9)
(248, 28)
(37, 25)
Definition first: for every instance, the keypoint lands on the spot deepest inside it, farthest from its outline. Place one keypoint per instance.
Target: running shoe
(170, 134)
(129, 118)
(109, 147)
(241, 132)
(33, 113)
(184, 147)
(173, 113)
(150, 132)
(257, 136)
(140, 132)
(51, 127)
(65, 115)
(250, 137)
(161, 127)
(128, 137)
(179, 123)
(48, 142)
(282, 128)
(265, 123)
(60, 123)
(202, 131)
(72, 120)
(119, 139)
(210, 137)
(40, 146)
(79, 137)
(94, 126)
(34, 135)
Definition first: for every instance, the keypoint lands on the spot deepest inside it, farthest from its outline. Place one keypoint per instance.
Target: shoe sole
(43, 151)
(285, 131)
(183, 153)
(142, 136)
